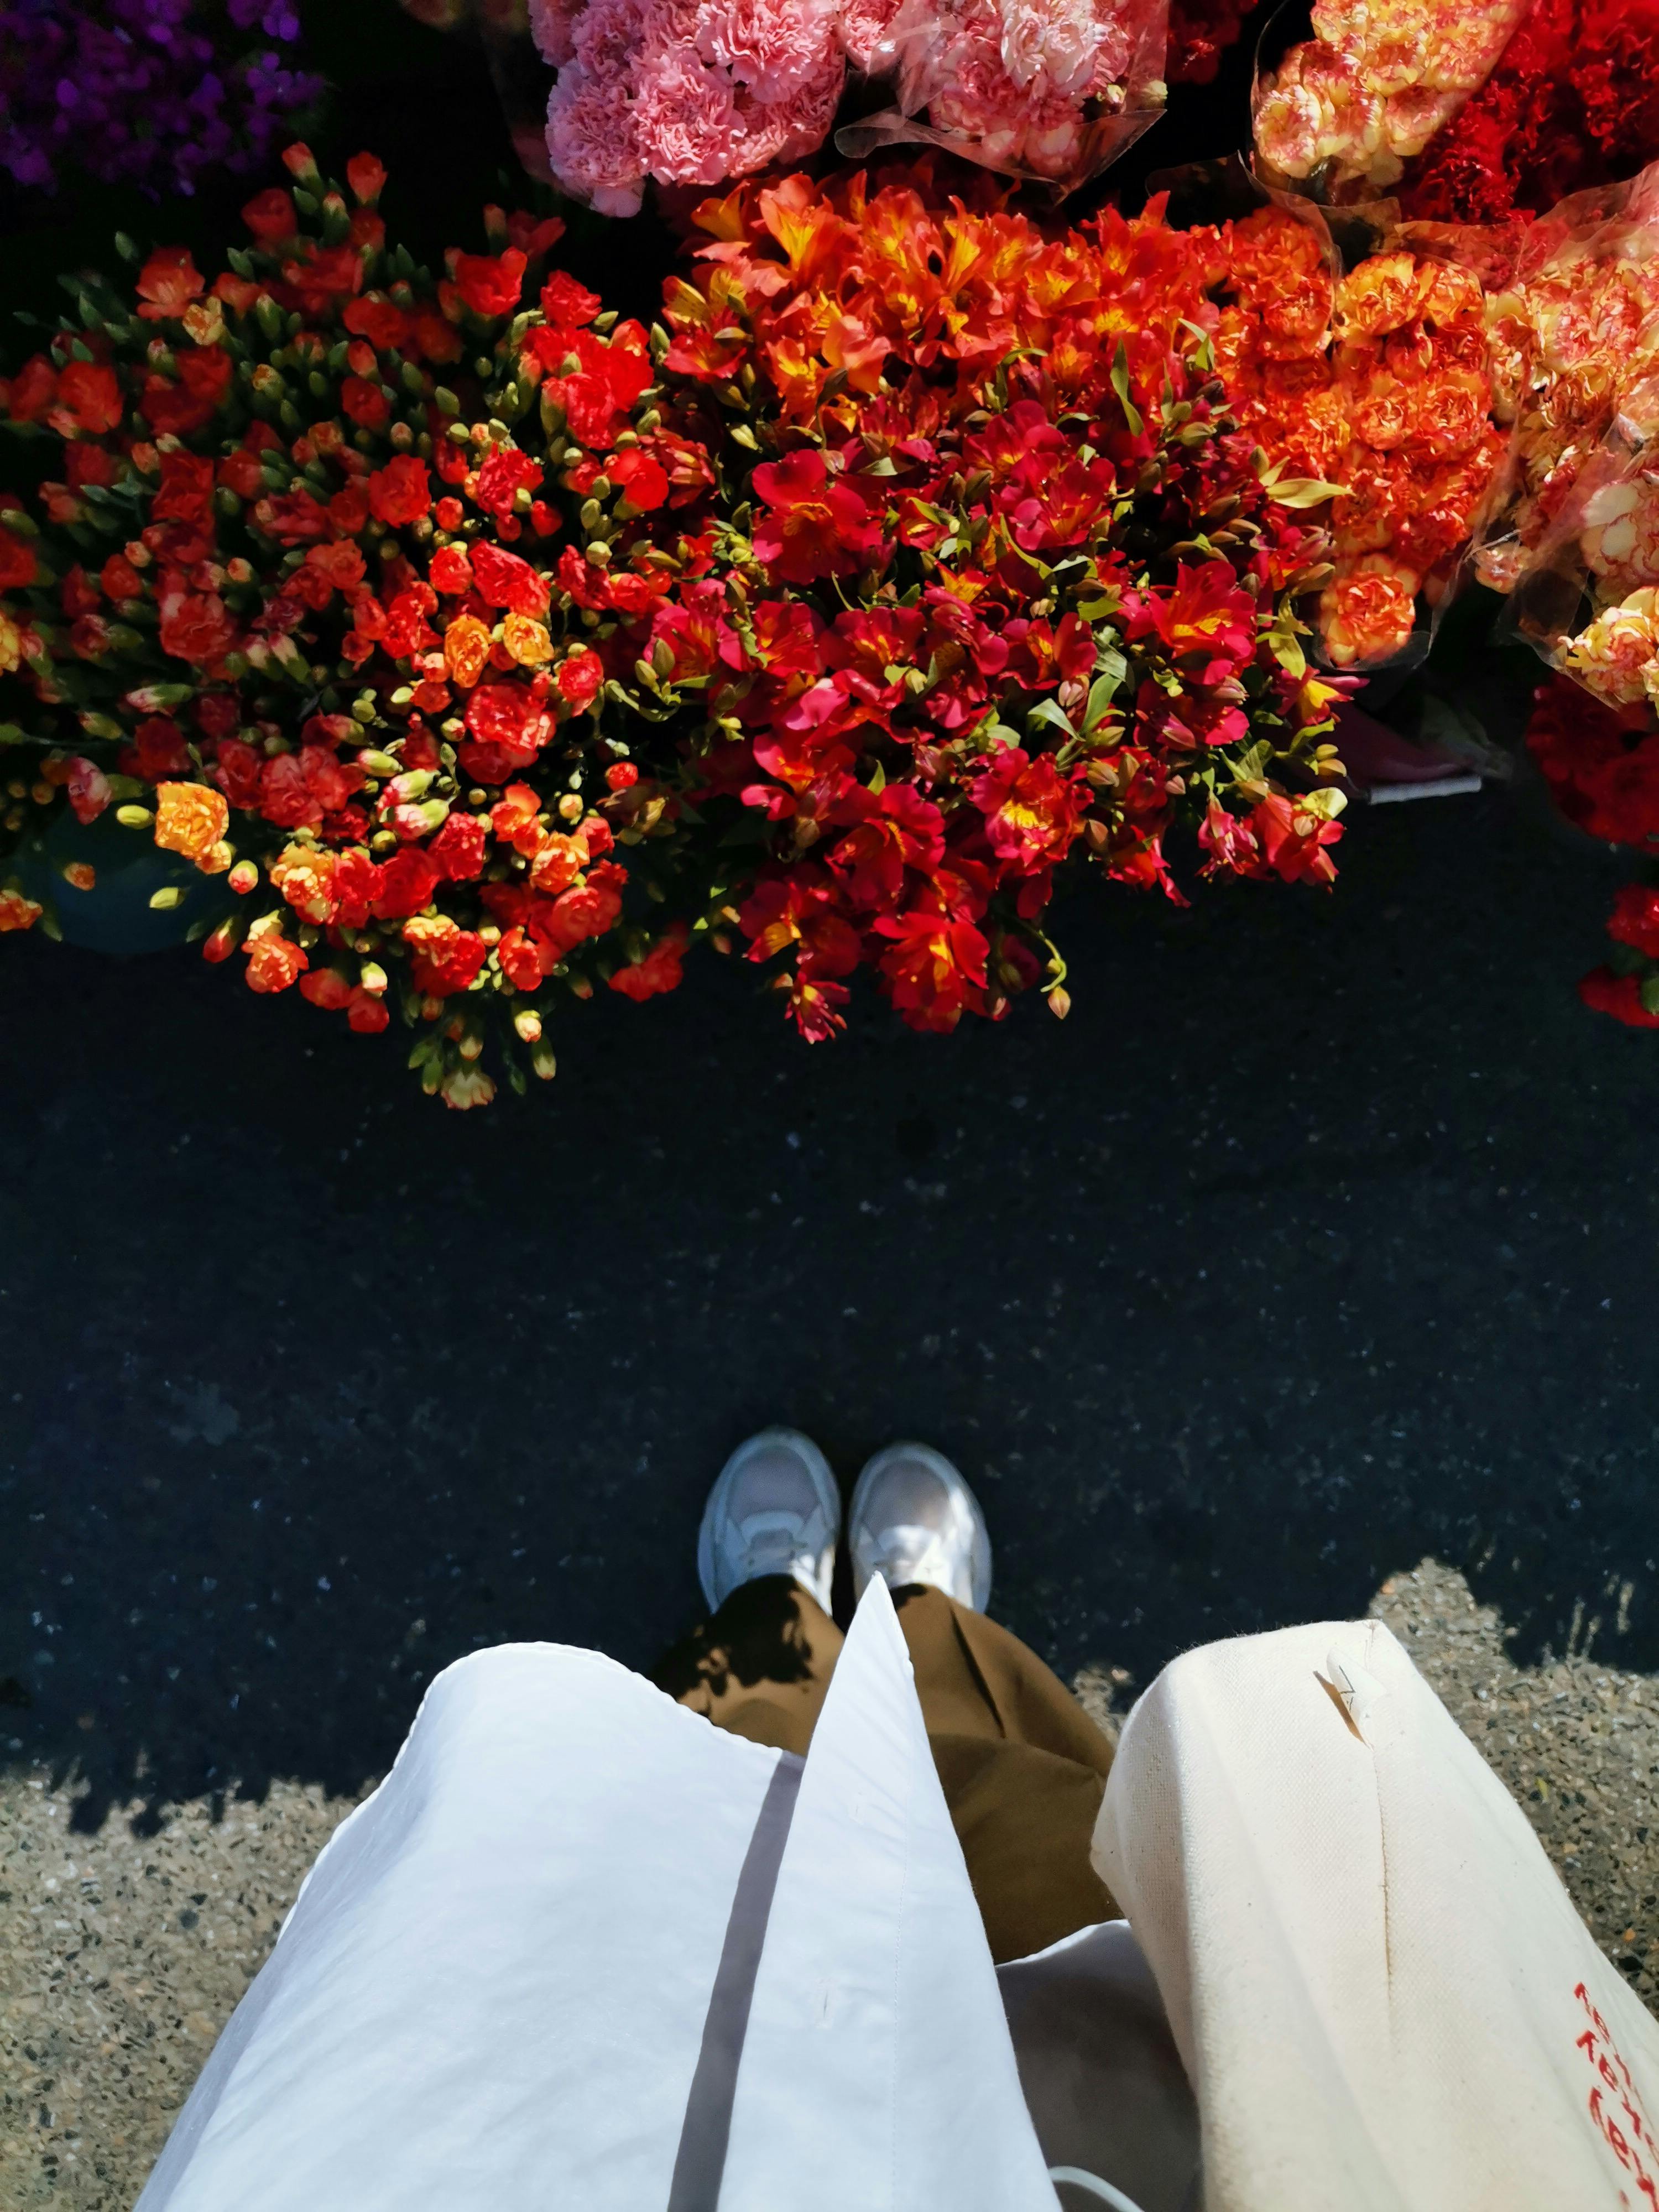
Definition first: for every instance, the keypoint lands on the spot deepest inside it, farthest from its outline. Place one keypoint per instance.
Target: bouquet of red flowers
(490, 651)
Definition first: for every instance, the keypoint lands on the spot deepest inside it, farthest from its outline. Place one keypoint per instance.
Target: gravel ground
(122, 1955)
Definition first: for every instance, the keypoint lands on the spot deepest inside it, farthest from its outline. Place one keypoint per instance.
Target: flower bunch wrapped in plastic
(1005, 582)
(698, 91)
(152, 92)
(1347, 110)
(1376, 384)
(1047, 89)
(1574, 331)
(1573, 102)
(488, 650)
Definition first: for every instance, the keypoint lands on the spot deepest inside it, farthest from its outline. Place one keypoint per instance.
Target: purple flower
(149, 92)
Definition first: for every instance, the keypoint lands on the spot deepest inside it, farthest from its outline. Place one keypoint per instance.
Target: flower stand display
(447, 644)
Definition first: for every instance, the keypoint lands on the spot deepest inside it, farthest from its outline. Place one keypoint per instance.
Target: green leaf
(1103, 690)
(877, 782)
(1050, 710)
(1121, 386)
(1302, 491)
(1650, 994)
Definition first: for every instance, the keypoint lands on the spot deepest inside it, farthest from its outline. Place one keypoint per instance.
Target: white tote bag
(581, 1949)
(1382, 1995)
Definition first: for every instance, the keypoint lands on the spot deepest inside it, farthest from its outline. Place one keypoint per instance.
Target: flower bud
(168, 895)
(244, 878)
(224, 940)
(528, 1023)
(542, 1062)
(1059, 1002)
(134, 818)
(570, 806)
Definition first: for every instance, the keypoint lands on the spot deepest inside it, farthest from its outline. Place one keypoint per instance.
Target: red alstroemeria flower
(934, 969)
(900, 830)
(1205, 613)
(800, 907)
(813, 526)
(1032, 812)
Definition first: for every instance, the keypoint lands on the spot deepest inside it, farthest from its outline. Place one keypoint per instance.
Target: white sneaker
(914, 1520)
(775, 1509)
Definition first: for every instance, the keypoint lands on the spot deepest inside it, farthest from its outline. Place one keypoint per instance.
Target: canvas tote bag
(1382, 1995)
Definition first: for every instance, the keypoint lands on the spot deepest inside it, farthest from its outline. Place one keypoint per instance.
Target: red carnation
(450, 572)
(157, 750)
(90, 396)
(385, 326)
(656, 971)
(270, 217)
(579, 679)
(1604, 993)
(506, 582)
(407, 881)
(366, 177)
(31, 393)
(18, 564)
(458, 848)
(642, 481)
(401, 492)
(364, 402)
(1635, 919)
(186, 493)
(506, 715)
(195, 626)
(490, 284)
(564, 300)
(503, 476)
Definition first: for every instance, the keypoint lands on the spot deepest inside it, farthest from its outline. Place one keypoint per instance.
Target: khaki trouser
(1023, 1766)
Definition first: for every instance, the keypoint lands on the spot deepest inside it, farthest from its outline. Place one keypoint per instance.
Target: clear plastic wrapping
(1052, 90)
(1356, 354)
(1344, 111)
(1574, 333)
(604, 95)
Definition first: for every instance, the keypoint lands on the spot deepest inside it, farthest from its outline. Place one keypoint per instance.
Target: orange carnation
(190, 818)
(17, 912)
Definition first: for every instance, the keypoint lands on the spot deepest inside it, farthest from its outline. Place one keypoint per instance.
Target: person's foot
(914, 1520)
(775, 1509)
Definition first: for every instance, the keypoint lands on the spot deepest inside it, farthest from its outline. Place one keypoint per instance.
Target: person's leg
(759, 1666)
(760, 1663)
(1023, 1766)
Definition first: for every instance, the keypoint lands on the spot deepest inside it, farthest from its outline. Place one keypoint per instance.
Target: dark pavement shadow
(1320, 1239)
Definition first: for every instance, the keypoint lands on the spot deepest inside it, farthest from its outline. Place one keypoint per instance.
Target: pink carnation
(866, 28)
(551, 24)
(592, 143)
(687, 126)
(773, 46)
